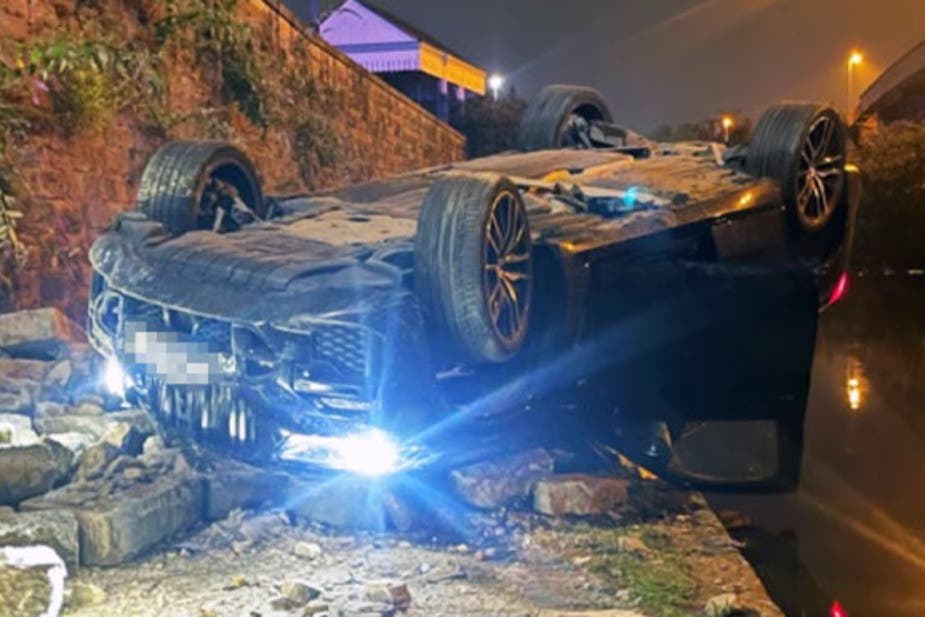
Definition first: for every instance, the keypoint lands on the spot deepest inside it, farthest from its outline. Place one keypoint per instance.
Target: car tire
(546, 120)
(474, 266)
(803, 146)
(176, 181)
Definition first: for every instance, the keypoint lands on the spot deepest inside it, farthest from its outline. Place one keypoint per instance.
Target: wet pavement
(854, 533)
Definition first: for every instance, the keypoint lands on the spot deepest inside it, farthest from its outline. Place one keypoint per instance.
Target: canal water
(854, 532)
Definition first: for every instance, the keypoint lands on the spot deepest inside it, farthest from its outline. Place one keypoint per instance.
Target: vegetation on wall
(221, 42)
(102, 63)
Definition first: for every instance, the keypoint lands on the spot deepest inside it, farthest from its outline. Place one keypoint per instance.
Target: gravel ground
(676, 564)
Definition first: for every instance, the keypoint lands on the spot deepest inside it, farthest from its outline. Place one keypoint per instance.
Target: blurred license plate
(169, 358)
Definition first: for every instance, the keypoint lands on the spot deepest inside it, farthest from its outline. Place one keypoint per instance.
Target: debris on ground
(144, 530)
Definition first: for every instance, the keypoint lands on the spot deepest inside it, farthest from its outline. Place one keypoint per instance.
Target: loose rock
(723, 605)
(393, 594)
(493, 484)
(28, 470)
(307, 550)
(125, 437)
(579, 495)
(295, 594)
(634, 545)
(16, 430)
(56, 529)
(39, 333)
(85, 594)
(74, 441)
(93, 462)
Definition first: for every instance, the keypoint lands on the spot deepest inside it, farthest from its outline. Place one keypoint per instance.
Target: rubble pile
(87, 484)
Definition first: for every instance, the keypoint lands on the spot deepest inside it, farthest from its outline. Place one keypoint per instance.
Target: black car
(674, 283)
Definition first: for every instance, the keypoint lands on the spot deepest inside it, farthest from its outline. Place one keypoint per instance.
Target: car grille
(340, 353)
(344, 348)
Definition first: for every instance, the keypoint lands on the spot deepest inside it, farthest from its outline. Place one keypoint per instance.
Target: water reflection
(856, 522)
(856, 384)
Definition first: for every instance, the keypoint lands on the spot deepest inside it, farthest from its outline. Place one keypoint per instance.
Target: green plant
(220, 40)
(12, 251)
(80, 77)
(314, 140)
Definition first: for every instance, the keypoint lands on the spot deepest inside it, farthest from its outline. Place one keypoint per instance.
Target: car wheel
(804, 147)
(474, 265)
(559, 115)
(190, 185)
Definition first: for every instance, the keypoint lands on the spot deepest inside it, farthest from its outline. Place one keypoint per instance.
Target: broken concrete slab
(54, 528)
(128, 430)
(29, 470)
(232, 486)
(579, 495)
(72, 440)
(29, 370)
(93, 461)
(119, 525)
(16, 430)
(21, 384)
(497, 483)
(124, 437)
(91, 424)
(31, 581)
(44, 333)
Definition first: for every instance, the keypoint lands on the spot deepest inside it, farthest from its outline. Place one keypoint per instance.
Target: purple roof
(377, 39)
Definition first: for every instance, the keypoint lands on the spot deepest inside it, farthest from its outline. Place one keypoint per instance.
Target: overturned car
(351, 328)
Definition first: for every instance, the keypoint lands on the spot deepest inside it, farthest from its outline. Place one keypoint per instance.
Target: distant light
(728, 122)
(837, 611)
(854, 395)
(855, 58)
(495, 83)
(115, 378)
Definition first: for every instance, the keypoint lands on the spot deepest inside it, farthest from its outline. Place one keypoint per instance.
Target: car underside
(312, 328)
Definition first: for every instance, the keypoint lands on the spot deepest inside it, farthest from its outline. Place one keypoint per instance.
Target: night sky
(674, 60)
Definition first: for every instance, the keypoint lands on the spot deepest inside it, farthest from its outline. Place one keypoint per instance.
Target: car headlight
(369, 453)
(115, 378)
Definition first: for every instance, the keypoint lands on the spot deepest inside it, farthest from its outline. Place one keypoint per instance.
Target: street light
(495, 83)
(727, 125)
(856, 59)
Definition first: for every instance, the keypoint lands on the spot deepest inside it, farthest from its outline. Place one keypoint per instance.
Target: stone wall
(69, 187)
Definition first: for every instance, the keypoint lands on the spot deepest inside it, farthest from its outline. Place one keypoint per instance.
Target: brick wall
(70, 188)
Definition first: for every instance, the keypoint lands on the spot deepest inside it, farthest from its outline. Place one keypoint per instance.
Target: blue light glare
(631, 195)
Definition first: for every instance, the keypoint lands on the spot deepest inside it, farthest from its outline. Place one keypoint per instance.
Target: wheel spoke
(516, 277)
(511, 223)
(494, 301)
(516, 258)
(807, 189)
(823, 197)
(495, 236)
(827, 135)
